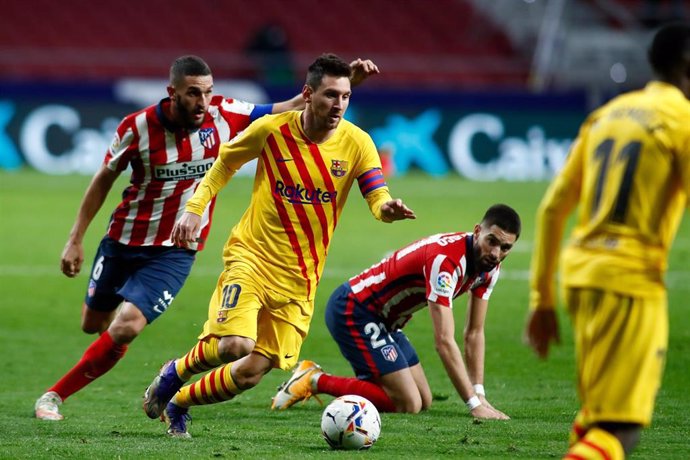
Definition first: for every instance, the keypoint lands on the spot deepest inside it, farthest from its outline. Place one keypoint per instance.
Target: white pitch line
(675, 279)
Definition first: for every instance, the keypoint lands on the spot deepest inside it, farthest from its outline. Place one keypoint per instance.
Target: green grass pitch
(40, 339)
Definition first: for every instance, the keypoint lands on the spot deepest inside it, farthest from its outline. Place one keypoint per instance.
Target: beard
(187, 117)
(486, 266)
(483, 264)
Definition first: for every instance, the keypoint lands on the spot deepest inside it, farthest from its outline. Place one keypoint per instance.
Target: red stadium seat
(444, 42)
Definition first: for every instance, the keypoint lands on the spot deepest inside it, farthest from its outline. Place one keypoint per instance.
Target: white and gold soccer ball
(350, 422)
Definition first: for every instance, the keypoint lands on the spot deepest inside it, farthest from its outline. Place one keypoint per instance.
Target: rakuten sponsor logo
(299, 194)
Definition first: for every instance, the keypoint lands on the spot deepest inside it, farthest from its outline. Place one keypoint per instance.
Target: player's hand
(361, 69)
(541, 330)
(186, 230)
(484, 412)
(501, 415)
(396, 210)
(72, 258)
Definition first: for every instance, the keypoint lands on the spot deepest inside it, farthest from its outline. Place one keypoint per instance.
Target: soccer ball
(350, 422)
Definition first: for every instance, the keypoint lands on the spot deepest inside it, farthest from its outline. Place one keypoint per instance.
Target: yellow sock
(203, 357)
(597, 444)
(579, 428)
(216, 386)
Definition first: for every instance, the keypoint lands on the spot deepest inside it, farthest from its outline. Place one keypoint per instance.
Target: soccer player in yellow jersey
(261, 309)
(629, 174)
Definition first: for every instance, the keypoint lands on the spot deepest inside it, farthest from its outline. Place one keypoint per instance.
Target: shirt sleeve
(684, 169)
(122, 148)
(560, 199)
(441, 278)
(370, 179)
(260, 110)
(484, 290)
(231, 156)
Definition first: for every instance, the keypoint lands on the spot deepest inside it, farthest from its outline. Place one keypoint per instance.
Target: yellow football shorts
(241, 305)
(620, 345)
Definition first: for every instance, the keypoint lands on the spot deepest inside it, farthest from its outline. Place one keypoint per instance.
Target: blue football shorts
(363, 338)
(147, 276)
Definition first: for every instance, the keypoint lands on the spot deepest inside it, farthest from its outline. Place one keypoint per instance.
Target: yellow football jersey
(299, 192)
(629, 174)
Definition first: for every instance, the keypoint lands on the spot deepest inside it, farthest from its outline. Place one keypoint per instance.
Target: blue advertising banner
(63, 129)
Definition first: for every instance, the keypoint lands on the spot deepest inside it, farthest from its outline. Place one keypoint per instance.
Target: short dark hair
(185, 66)
(669, 48)
(327, 64)
(504, 217)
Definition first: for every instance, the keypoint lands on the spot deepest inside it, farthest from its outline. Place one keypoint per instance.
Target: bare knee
(408, 405)
(233, 347)
(91, 328)
(95, 322)
(127, 325)
(123, 333)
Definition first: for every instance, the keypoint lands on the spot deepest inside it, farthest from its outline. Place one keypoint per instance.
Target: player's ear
(171, 92)
(307, 92)
(477, 230)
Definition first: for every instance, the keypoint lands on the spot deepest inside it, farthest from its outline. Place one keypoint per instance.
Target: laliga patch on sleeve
(444, 284)
(115, 144)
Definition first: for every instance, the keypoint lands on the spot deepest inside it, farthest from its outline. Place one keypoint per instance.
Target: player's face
(190, 100)
(329, 101)
(491, 245)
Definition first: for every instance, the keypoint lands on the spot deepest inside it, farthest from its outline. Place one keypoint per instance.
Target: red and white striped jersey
(437, 269)
(167, 164)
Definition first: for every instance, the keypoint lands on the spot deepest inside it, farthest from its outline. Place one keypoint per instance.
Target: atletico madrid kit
(136, 260)
(366, 314)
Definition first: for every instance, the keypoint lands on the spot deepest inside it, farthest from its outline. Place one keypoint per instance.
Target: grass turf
(40, 339)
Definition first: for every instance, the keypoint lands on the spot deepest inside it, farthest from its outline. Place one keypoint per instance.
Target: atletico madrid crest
(207, 138)
(338, 168)
(389, 353)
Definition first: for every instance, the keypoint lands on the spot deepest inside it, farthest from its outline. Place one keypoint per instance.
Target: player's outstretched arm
(295, 103)
(474, 340)
(393, 210)
(73, 253)
(451, 357)
(541, 330)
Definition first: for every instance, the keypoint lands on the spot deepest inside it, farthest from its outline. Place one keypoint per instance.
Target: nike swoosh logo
(288, 356)
(283, 160)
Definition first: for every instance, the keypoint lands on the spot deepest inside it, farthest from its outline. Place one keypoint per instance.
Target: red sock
(98, 359)
(339, 386)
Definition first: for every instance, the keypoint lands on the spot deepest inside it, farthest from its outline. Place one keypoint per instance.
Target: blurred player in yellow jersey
(261, 309)
(629, 175)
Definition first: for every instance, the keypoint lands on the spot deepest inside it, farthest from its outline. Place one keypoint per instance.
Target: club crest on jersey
(338, 168)
(222, 316)
(481, 279)
(207, 138)
(389, 353)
